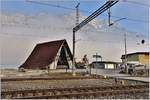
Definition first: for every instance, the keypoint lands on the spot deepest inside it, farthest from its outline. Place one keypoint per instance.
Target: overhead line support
(103, 8)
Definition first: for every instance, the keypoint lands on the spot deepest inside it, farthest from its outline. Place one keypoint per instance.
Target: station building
(104, 65)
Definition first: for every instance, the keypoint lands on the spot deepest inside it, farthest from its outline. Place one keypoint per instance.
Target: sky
(24, 24)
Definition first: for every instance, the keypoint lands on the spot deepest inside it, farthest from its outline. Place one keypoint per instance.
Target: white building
(104, 65)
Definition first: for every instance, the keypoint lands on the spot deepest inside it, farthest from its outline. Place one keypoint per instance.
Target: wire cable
(135, 2)
(68, 8)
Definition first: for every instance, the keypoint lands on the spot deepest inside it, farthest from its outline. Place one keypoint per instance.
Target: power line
(52, 5)
(136, 3)
(68, 8)
(132, 2)
(102, 9)
(76, 1)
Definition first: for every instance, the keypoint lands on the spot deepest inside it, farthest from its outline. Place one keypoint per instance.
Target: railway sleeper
(53, 93)
(85, 95)
(12, 94)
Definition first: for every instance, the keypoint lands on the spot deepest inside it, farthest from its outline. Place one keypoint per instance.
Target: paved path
(143, 79)
(110, 73)
(115, 73)
(104, 72)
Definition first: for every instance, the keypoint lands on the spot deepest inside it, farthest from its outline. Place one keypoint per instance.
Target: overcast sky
(25, 24)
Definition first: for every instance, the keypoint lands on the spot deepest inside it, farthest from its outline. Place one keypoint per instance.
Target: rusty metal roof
(43, 54)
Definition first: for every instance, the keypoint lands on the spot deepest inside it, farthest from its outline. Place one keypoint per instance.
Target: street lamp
(110, 24)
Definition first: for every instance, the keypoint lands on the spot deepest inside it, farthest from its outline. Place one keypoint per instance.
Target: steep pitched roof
(44, 54)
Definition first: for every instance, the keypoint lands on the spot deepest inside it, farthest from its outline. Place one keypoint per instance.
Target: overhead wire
(81, 10)
(48, 4)
(132, 2)
(95, 14)
(136, 3)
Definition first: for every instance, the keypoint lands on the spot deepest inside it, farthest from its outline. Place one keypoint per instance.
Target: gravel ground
(44, 84)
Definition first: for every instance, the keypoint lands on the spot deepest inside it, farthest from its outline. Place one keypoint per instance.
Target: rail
(61, 92)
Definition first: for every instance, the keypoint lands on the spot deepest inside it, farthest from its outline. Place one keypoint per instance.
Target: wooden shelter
(52, 55)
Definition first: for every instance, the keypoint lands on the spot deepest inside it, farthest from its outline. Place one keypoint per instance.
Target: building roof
(106, 62)
(44, 53)
(136, 53)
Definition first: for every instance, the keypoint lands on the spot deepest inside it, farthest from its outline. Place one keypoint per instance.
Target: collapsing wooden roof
(45, 53)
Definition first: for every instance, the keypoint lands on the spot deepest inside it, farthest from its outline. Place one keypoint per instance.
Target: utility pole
(96, 64)
(109, 15)
(125, 47)
(77, 14)
(73, 63)
(77, 22)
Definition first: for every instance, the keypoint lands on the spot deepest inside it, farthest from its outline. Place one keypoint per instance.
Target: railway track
(91, 94)
(76, 92)
(44, 78)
